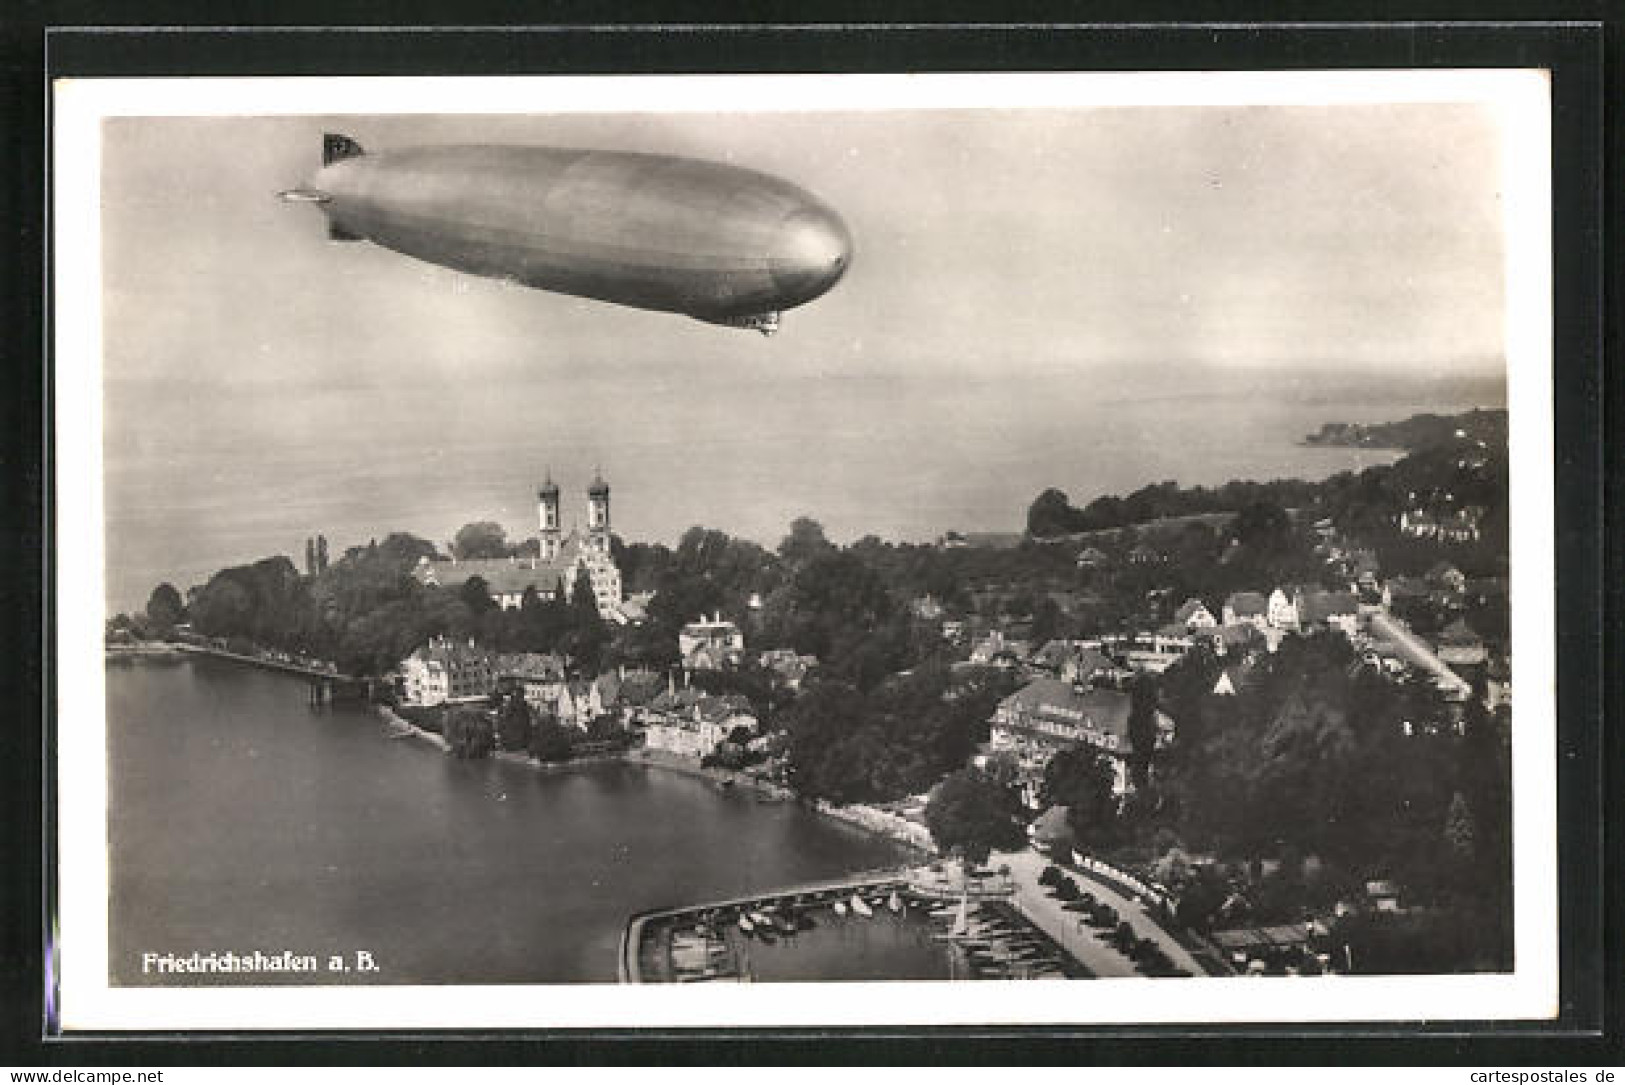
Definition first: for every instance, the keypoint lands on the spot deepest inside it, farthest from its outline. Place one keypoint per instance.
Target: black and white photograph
(978, 549)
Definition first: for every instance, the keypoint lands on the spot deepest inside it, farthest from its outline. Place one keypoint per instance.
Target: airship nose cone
(811, 250)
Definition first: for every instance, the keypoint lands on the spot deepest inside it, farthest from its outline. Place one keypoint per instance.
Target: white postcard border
(88, 1002)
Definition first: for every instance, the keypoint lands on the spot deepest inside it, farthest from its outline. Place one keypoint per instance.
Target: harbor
(912, 923)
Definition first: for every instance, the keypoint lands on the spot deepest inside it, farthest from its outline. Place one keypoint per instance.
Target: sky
(1017, 275)
(1353, 236)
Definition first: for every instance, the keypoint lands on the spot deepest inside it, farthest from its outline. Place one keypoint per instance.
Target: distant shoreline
(1413, 434)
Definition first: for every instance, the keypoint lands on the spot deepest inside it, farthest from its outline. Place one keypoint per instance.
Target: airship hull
(657, 232)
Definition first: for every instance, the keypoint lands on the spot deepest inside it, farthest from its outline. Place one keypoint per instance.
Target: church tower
(598, 514)
(547, 513)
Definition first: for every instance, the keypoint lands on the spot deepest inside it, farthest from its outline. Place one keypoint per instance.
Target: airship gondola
(715, 242)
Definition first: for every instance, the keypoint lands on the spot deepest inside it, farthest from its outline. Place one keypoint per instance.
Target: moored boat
(840, 907)
(860, 906)
(894, 902)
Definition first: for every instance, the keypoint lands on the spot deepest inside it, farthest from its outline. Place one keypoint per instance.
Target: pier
(326, 687)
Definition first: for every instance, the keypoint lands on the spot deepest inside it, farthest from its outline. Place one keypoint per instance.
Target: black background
(41, 40)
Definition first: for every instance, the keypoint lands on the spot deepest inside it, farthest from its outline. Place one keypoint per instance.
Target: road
(1069, 929)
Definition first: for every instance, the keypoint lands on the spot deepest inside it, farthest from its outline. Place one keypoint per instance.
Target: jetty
(326, 686)
(667, 922)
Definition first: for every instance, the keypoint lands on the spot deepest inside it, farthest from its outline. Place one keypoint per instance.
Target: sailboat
(859, 906)
(894, 902)
(840, 907)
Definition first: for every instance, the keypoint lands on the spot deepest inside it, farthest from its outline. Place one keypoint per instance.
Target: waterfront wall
(407, 727)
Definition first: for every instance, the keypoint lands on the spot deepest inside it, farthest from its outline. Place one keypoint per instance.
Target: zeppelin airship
(715, 242)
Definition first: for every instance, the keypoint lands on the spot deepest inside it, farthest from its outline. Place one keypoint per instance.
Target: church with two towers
(554, 570)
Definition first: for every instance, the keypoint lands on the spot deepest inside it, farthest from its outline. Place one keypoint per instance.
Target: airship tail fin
(336, 148)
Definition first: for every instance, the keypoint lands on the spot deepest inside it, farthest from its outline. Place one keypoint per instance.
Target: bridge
(325, 686)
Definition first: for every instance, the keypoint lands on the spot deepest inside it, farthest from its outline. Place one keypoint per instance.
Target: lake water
(203, 476)
(242, 820)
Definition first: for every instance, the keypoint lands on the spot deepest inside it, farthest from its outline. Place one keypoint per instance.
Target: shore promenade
(1076, 936)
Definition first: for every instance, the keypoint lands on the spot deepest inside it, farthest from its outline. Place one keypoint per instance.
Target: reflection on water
(241, 820)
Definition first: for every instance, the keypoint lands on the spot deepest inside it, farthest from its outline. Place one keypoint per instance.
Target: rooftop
(1050, 698)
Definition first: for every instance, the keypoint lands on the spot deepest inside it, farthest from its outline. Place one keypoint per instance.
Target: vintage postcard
(606, 552)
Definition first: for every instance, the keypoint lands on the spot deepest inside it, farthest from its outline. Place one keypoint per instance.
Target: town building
(553, 572)
(1000, 649)
(1154, 652)
(1445, 577)
(1339, 610)
(444, 671)
(690, 723)
(1047, 715)
(787, 667)
(1080, 662)
(1092, 557)
(1144, 554)
(638, 691)
(1460, 526)
(580, 702)
(710, 644)
(1193, 614)
(1247, 607)
(1281, 611)
(1234, 679)
(1237, 640)
(1405, 593)
(1460, 646)
(926, 608)
(539, 677)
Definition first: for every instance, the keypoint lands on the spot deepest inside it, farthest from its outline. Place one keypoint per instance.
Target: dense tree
(164, 609)
(514, 721)
(468, 733)
(805, 542)
(824, 724)
(475, 594)
(970, 815)
(1051, 513)
(605, 728)
(1142, 728)
(840, 610)
(1458, 830)
(551, 741)
(404, 549)
(1263, 527)
(1201, 896)
(1080, 778)
(482, 539)
(587, 634)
